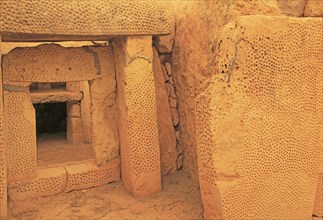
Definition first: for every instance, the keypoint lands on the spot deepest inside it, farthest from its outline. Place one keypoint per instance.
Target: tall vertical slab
(138, 131)
(259, 122)
(20, 133)
(3, 167)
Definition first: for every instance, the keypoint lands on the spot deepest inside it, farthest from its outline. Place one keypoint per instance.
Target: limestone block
(20, 135)
(73, 86)
(83, 20)
(292, 7)
(138, 129)
(88, 175)
(86, 111)
(74, 125)
(259, 121)
(313, 8)
(48, 63)
(318, 205)
(105, 140)
(49, 181)
(3, 165)
(54, 95)
(73, 110)
(75, 138)
(164, 44)
(167, 139)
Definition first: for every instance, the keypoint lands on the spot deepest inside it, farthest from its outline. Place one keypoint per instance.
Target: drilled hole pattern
(48, 63)
(263, 112)
(85, 177)
(142, 119)
(20, 134)
(99, 17)
(38, 187)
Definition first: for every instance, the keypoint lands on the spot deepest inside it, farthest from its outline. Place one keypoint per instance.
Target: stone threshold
(65, 178)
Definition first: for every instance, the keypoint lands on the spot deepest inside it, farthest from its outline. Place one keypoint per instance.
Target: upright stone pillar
(138, 131)
(3, 168)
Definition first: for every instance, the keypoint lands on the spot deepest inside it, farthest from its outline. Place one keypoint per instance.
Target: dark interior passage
(50, 118)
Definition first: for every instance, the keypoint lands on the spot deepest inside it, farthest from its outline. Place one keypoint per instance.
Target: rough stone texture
(259, 122)
(73, 110)
(54, 96)
(313, 8)
(292, 7)
(27, 64)
(20, 135)
(105, 138)
(198, 25)
(180, 199)
(167, 138)
(82, 19)
(138, 131)
(49, 181)
(86, 175)
(318, 205)
(86, 109)
(74, 130)
(3, 164)
(164, 44)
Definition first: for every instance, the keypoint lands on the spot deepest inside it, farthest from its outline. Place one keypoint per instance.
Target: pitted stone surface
(48, 63)
(20, 135)
(83, 18)
(259, 122)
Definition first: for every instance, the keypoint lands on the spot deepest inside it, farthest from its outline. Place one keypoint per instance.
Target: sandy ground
(53, 149)
(179, 199)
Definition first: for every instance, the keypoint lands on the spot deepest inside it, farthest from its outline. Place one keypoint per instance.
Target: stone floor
(179, 199)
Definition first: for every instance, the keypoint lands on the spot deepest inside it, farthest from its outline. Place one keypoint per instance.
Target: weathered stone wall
(259, 121)
(52, 20)
(199, 25)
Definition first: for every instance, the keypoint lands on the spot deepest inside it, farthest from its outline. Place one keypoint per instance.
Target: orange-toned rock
(318, 205)
(49, 181)
(19, 135)
(259, 153)
(167, 139)
(313, 8)
(137, 116)
(292, 7)
(86, 175)
(164, 44)
(3, 165)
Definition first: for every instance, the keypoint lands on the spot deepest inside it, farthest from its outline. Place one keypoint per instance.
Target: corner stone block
(259, 152)
(138, 131)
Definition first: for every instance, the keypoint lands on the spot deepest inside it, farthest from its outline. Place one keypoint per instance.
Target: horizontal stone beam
(55, 96)
(82, 20)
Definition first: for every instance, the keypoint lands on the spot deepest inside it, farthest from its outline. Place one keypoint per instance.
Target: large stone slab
(58, 19)
(20, 135)
(105, 139)
(259, 122)
(48, 63)
(137, 117)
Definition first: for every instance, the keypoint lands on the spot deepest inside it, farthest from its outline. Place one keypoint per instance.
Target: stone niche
(59, 115)
(101, 97)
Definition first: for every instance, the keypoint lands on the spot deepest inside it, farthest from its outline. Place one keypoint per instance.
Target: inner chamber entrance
(53, 147)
